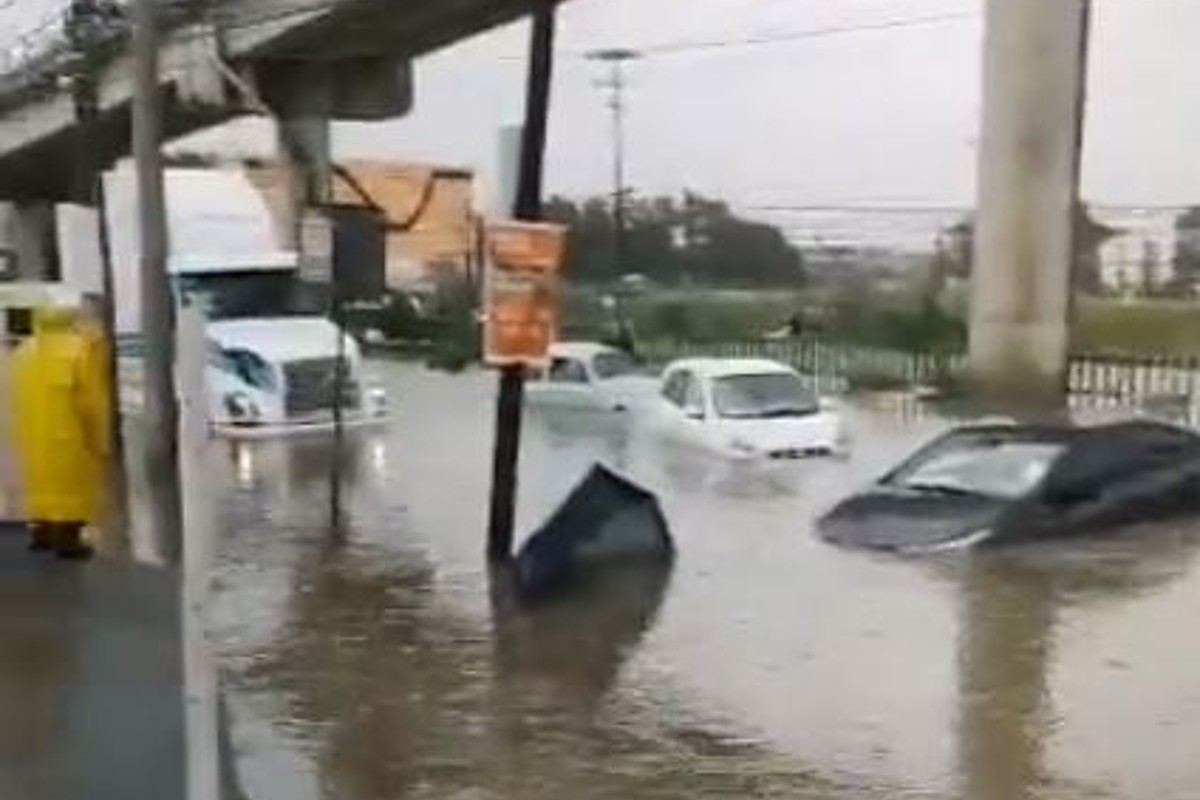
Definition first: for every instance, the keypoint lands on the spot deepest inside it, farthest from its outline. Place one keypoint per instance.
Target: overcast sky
(884, 115)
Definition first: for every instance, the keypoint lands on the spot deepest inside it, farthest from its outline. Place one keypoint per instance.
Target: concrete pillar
(308, 176)
(26, 241)
(1033, 83)
(303, 103)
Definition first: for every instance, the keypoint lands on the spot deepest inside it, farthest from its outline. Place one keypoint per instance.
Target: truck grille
(309, 386)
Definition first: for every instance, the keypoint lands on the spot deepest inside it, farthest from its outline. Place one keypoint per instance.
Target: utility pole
(87, 23)
(527, 206)
(158, 303)
(616, 59)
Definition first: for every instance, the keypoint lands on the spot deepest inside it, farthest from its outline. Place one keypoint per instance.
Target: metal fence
(838, 367)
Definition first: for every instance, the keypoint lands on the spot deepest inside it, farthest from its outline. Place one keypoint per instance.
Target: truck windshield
(238, 295)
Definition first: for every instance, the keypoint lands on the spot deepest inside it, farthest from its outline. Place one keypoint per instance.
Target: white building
(1141, 255)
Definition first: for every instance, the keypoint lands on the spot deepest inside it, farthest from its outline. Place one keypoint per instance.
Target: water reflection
(574, 646)
(301, 466)
(1010, 605)
(765, 665)
(1005, 641)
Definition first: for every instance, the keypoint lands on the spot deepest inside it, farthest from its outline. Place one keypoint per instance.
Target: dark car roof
(1085, 447)
(1106, 434)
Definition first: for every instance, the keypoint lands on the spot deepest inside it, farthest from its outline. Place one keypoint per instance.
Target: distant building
(429, 212)
(954, 250)
(1140, 256)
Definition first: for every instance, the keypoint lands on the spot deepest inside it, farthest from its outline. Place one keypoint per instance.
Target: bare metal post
(85, 23)
(339, 388)
(158, 307)
(528, 206)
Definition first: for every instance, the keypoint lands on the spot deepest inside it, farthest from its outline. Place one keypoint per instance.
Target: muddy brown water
(384, 664)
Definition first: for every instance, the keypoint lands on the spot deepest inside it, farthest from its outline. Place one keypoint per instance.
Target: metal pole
(1078, 211)
(339, 387)
(528, 206)
(616, 58)
(618, 115)
(158, 317)
(84, 25)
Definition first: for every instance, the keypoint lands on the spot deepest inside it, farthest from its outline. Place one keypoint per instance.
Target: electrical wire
(232, 20)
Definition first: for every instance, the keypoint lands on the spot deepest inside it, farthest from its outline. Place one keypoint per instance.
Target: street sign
(521, 292)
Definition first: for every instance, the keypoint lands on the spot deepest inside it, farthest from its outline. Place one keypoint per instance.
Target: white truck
(273, 352)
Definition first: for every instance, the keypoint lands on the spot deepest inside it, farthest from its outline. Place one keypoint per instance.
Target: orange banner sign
(521, 291)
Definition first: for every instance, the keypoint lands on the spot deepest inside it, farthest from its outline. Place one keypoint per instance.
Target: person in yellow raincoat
(61, 418)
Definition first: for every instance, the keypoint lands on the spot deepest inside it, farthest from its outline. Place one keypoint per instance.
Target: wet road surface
(384, 664)
(90, 678)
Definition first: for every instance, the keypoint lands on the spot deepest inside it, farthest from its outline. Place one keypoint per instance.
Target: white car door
(683, 410)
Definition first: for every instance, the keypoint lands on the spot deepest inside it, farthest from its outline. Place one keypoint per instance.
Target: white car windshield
(1004, 469)
(613, 365)
(763, 396)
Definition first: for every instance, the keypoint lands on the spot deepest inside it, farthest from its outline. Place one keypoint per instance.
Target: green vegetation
(675, 242)
(1139, 328)
(1105, 326)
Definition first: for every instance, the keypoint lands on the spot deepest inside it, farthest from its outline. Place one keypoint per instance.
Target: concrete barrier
(10, 488)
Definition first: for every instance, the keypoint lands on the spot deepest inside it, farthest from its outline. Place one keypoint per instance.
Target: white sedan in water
(586, 376)
(746, 409)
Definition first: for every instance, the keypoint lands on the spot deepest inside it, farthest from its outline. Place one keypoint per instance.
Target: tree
(669, 241)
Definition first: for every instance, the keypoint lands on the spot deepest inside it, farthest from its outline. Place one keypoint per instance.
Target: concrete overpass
(312, 60)
(347, 59)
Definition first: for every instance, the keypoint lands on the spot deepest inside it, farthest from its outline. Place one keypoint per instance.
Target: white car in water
(746, 409)
(587, 376)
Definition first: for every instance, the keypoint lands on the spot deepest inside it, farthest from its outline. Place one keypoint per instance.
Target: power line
(784, 37)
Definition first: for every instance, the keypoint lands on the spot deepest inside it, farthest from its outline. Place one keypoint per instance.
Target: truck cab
(274, 353)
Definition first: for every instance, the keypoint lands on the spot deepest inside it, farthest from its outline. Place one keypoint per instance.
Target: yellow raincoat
(60, 419)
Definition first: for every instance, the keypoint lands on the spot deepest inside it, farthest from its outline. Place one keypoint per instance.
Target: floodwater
(384, 664)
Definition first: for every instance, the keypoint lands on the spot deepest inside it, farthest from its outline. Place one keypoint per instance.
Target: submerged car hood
(885, 518)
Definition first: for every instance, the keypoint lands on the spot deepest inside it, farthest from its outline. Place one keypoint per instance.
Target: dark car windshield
(238, 295)
(775, 394)
(613, 365)
(1000, 468)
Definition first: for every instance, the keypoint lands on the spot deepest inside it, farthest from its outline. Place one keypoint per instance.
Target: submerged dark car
(998, 484)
